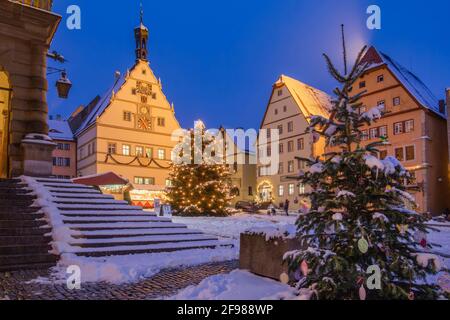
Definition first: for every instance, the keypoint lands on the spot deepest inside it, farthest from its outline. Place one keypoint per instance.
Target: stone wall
(25, 37)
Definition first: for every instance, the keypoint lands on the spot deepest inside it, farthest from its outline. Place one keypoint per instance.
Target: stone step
(18, 203)
(19, 210)
(12, 186)
(21, 216)
(28, 266)
(25, 239)
(22, 259)
(115, 220)
(24, 249)
(73, 192)
(19, 197)
(142, 241)
(8, 191)
(118, 251)
(10, 180)
(89, 201)
(128, 233)
(83, 197)
(127, 226)
(67, 186)
(58, 181)
(90, 206)
(105, 215)
(21, 224)
(23, 232)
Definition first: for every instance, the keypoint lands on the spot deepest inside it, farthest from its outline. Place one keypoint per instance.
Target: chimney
(442, 106)
(447, 95)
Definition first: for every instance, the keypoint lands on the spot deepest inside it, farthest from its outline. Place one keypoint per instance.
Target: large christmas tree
(362, 239)
(201, 182)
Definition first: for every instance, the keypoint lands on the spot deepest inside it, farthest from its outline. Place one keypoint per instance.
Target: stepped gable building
(128, 131)
(26, 32)
(290, 107)
(415, 125)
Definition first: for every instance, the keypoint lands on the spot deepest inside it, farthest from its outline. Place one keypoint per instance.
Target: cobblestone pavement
(17, 286)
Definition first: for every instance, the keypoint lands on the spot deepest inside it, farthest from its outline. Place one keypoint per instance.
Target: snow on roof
(103, 103)
(410, 81)
(311, 101)
(60, 130)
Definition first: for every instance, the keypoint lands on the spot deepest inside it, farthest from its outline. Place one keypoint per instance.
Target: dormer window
(280, 92)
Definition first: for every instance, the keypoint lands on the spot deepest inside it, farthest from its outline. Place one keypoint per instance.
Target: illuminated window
(139, 151)
(301, 189)
(161, 154)
(291, 189)
(291, 166)
(280, 191)
(126, 149)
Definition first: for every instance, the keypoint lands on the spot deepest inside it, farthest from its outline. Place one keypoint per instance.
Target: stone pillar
(37, 155)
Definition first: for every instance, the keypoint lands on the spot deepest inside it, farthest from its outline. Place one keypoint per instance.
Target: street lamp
(63, 85)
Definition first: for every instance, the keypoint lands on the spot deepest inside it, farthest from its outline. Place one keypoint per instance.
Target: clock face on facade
(144, 110)
(144, 123)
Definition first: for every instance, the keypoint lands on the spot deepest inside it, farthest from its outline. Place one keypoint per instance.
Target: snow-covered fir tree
(200, 182)
(360, 218)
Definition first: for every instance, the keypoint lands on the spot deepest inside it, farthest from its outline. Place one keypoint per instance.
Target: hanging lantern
(63, 85)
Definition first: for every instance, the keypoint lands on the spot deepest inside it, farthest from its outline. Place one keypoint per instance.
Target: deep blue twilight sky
(218, 58)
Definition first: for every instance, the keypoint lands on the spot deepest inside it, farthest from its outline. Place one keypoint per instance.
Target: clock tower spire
(141, 35)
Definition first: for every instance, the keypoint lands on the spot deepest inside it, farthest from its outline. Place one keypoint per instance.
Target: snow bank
(237, 285)
(274, 232)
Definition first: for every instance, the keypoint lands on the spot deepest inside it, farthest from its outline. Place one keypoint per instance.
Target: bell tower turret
(141, 35)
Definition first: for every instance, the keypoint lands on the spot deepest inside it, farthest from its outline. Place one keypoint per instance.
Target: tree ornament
(304, 267)
(411, 296)
(402, 228)
(363, 245)
(444, 282)
(284, 278)
(423, 243)
(362, 293)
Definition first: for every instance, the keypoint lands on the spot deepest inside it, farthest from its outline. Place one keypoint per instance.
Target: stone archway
(5, 110)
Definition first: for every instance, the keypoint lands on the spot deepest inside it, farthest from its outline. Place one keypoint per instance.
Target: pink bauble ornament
(304, 267)
(362, 293)
(411, 296)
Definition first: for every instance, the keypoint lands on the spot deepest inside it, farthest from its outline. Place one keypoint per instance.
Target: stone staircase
(102, 226)
(24, 239)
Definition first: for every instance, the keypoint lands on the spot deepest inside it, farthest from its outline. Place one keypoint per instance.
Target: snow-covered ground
(237, 285)
(231, 227)
(132, 268)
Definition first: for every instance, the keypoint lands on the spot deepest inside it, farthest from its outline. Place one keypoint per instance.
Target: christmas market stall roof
(60, 130)
(103, 179)
(409, 80)
(311, 101)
